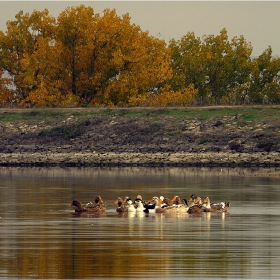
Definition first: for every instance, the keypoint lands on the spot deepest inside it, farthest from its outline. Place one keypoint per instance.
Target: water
(42, 237)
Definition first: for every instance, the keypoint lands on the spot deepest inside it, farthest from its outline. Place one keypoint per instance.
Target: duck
(185, 201)
(181, 204)
(198, 200)
(146, 205)
(99, 206)
(159, 209)
(97, 200)
(149, 206)
(178, 201)
(139, 197)
(129, 204)
(216, 207)
(166, 202)
(121, 207)
(192, 199)
(140, 205)
(197, 206)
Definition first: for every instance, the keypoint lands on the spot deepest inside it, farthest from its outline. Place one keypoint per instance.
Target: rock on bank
(140, 159)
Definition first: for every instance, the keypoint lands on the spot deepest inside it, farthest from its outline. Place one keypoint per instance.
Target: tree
(239, 68)
(107, 58)
(41, 76)
(265, 79)
(20, 40)
(187, 62)
(81, 58)
(218, 68)
(73, 30)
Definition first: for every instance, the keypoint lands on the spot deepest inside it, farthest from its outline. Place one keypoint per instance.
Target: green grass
(246, 113)
(29, 115)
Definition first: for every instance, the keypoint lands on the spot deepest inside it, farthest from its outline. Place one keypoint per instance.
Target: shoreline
(230, 136)
(158, 159)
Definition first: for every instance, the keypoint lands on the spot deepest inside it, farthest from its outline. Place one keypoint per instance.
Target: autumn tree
(83, 58)
(19, 41)
(108, 58)
(42, 76)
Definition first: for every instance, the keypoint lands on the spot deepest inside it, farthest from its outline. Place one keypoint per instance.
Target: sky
(257, 21)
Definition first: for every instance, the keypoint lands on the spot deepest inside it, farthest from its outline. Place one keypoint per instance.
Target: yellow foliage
(98, 59)
(108, 58)
(49, 97)
(165, 97)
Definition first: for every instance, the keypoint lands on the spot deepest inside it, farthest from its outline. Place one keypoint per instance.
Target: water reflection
(42, 237)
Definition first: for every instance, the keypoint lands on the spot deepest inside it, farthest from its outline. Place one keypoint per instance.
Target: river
(43, 238)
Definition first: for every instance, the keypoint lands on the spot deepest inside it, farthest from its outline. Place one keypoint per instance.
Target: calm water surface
(42, 237)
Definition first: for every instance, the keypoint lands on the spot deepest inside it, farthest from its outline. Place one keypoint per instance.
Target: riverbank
(141, 159)
(208, 136)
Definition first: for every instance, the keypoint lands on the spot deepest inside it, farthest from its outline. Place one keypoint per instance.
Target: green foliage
(223, 71)
(16, 116)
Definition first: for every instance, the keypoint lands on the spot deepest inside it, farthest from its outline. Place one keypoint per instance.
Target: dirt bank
(214, 136)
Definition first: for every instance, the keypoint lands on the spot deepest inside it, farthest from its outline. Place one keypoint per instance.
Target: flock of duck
(155, 205)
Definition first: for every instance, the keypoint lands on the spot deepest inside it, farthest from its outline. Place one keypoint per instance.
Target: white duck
(140, 205)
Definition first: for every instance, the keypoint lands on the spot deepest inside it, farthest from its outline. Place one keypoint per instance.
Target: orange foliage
(166, 97)
(50, 96)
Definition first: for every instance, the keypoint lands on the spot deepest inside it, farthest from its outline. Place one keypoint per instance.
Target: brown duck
(178, 201)
(166, 201)
(192, 198)
(121, 205)
(181, 204)
(216, 207)
(197, 207)
(98, 206)
(158, 209)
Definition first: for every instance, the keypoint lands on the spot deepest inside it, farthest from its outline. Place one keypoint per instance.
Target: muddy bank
(228, 136)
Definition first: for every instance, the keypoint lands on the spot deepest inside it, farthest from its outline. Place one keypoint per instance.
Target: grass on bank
(245, 113)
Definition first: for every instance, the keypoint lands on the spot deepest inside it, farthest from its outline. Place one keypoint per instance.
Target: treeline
(85, 59)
